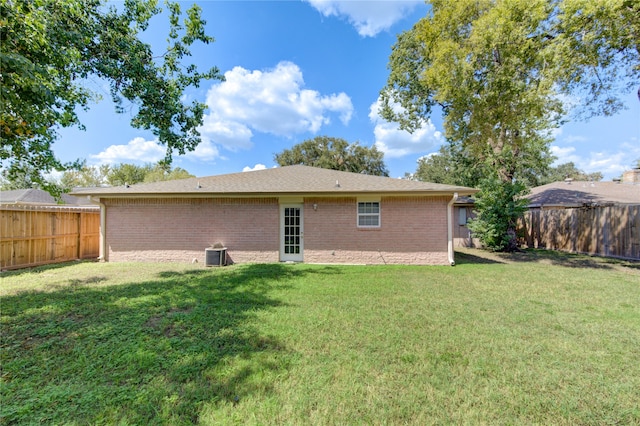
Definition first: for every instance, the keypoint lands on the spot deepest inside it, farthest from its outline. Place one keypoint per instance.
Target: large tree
(51, 47)
(569, 171)
(161, 172)
(121, 174)
(85, 177)
(334, 153)
(449, 167)
(497, 70)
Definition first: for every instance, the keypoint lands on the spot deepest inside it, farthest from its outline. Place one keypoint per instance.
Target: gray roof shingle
(578, 193)
(293, 180)
(39, 197)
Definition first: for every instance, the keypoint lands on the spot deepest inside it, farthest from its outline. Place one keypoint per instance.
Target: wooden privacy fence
(612, 231)
(31, 236)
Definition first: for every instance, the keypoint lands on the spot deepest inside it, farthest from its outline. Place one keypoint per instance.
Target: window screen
(369, 214)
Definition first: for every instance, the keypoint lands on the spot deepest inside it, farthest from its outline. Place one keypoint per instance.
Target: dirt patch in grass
(165, 322)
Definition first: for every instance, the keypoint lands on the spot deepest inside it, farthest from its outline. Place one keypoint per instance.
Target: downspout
(452, 261)
(103, 228)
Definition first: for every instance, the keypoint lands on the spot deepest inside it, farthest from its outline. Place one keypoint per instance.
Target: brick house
(293, 213)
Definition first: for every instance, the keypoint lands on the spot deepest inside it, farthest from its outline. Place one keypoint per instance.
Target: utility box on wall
(215, 256)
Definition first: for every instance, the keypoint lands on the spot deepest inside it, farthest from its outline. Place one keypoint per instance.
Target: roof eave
(276, 194)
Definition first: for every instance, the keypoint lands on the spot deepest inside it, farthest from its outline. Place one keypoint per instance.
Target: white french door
(291, 233)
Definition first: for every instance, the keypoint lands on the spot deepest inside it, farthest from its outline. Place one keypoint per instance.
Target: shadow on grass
(42, 268)
(569, 260)
(87, 281)
(464, 258)
(140, 353)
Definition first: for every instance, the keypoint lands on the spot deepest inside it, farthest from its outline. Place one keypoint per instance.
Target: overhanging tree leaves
(50, 47)
(334, 153)
(496, 69)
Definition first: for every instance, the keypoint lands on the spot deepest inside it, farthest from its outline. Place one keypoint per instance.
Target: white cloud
(395, 142)
(564, 155)
(137, 150)
(205, 151)
(611, 163)
(272, 101)
(574, 139)
(368, 17)
(256, 167)
(53, 175)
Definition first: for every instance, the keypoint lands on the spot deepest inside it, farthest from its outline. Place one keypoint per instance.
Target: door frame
(291, 257)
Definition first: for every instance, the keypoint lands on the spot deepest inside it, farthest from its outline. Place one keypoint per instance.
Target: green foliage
(21, 180)
(334, 153)
(126, 173)
(160, 172)
(50, 47)
(91, 176)
(449, 166)
(85, 177)
(496, 70)
(479, 62)
(437, 168)
(569, 171)
(596, 52)
(498, 205)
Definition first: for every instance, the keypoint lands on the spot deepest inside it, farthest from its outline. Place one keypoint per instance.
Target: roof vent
(568, 181)
(337, 184)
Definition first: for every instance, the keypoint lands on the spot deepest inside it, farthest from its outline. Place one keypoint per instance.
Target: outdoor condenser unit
(215, 256)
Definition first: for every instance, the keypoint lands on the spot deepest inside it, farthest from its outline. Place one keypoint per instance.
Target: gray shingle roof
(578, 193)
(39, 197)
(293, 180)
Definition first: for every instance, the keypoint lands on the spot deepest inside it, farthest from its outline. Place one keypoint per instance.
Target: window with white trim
(368, 214)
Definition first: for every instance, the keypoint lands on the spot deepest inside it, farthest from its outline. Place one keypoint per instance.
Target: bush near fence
(612, 230)
(32, 236)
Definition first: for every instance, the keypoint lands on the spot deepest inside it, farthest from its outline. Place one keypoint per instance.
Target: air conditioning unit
(215, 256)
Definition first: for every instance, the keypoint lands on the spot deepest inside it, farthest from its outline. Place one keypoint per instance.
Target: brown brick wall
(181, 229)
(413, 230)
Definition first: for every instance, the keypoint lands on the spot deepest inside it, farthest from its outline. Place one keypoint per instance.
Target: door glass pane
(292, 230)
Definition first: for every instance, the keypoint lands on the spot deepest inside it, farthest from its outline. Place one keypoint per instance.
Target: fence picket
(612, 231)
(32, 236)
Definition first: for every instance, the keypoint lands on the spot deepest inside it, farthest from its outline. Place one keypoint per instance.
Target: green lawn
(532, 338)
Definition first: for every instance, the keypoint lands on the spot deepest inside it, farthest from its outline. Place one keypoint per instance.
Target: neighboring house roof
(580, 193)
(291, 180)
(40, 197)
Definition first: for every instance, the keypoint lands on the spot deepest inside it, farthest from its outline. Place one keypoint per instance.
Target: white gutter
(452, 261)
(103, 227)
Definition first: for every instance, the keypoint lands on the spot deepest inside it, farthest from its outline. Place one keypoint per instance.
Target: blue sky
(298, 69)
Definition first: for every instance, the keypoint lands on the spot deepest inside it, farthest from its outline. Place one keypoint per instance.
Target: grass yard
(532, 338)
